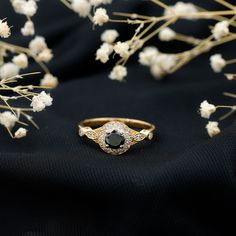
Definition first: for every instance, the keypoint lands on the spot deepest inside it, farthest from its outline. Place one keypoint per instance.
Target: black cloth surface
(54, 183)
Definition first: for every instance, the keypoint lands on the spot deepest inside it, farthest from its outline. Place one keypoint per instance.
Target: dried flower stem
(19, 49)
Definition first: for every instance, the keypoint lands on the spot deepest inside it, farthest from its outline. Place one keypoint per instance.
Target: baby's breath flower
(181, 8)
(109, 36)
(122, 48)
(118, 73)
(46, 55)
(29, 8)
(207, 109)
(165, 61)
(167, 34)
(220, 30)
(104, 52)
(28, 28)
(37, 45)
(5, 30)
(82, 7)
(40, 101)
(21, 61)
(217, 62)
(20, 133)
(49, 81)
(148, 55)
(213, 128)
(100, 17)
(17, 5)
(8, 119)
(8, 70)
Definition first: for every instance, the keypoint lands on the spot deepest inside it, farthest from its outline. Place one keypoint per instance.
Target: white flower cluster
(39, 48)
(221, 30)
(217, 63)
(40, 101)
(212, 128)
(29, 9)
(84, 7)
(28, 29)
(182, 8)
(13, 59)
(8, 120)
(8, 70)
(109, 46)
(25, 7)
(206, 110)
(159, 63)
(21, 60)
(167, 34)
(118, 73)
(49, 81)
(5, 30)
(109, 36)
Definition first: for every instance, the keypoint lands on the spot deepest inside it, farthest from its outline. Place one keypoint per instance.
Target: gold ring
(116, 135)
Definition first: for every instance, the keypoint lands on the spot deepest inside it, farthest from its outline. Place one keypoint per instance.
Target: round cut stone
(114, 140)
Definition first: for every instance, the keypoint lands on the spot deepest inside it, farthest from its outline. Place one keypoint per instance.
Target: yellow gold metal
(133, 130)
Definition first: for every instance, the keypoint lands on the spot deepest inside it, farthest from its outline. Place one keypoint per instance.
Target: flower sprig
(206, 110)
(160, 63)
(38, 49)
(149, 27)
(11, 92)
(13, 114)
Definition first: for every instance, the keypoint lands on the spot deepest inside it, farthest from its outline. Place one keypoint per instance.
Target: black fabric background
(53, 183)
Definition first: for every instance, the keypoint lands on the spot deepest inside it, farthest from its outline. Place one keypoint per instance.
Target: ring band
(116, 135)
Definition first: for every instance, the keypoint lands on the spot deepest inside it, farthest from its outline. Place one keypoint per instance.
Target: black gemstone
(114, 140)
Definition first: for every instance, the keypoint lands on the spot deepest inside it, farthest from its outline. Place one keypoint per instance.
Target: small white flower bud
(109, 36)
(148, 55)
(207, 109)
(49, 81)
(221, 29)
(29, 8)
(8, 70)
(217, 63)
(8, 119)
(21, 61)
(167, 34)
(37, 45)
(82, 7)
(45, 56)
(40, 101)
(100, 17)
(122, 49)
(20, 133)
(213, 128)
(28, 28)
(5, 30)
(104, 52)
(118, 73)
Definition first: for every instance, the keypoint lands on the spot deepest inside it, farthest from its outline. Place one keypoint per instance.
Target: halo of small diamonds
(120, 128)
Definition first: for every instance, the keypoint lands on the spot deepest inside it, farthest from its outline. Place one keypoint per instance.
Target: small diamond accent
(139, 137)
(91, 134)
